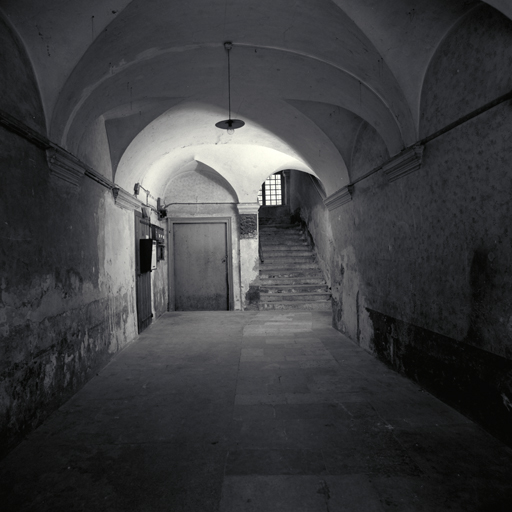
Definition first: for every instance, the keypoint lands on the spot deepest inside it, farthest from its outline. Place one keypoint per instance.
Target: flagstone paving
(254, 411)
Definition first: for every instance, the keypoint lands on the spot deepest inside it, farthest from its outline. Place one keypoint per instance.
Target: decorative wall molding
(339, 198)
(403, 164)
(125, 200)
(248, 208)
(97, 177)
(65, 166)
(14, 125)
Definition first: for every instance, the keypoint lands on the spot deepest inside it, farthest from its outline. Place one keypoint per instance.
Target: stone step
(277, 227)
(285, 268)
(282, 218)
(290, 277)
(290, 251)
(272, 253)
(294, 273)
(314, 278)
(284, 289)
(280, 232)
(308, 306)
(271, 237)
(294, 297)
(284, 242)
(267, 223)
(275, 254)
(287, 260)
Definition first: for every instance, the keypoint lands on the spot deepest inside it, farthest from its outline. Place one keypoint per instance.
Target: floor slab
(254, 411)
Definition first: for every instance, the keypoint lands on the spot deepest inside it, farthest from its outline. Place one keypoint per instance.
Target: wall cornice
(14, 125)
(405, 163)
(339, 198)
(125, 200)
(64, 166)
(248, 208)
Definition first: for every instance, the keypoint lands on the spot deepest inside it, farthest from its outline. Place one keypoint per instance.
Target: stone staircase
(290, 278)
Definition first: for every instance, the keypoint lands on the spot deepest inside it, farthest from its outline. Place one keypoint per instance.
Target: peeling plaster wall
(249, 259)
(420, 268)
(67, 291)
(307, 204)
(67, 298)
(469, 179)
(249, 272)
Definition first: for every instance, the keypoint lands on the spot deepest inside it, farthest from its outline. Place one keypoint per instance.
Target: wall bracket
(405, 163)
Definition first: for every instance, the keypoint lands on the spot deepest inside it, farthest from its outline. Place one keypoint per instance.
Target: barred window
(272, 191)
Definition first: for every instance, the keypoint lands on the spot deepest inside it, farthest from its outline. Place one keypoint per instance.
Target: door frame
(170, 252)
(143, 285)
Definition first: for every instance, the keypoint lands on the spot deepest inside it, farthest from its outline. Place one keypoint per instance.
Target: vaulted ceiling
(135, 88)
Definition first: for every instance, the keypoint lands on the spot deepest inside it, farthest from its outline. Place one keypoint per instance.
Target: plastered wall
(67, 287)
(67, 294)
(20, 96)
(420, 267)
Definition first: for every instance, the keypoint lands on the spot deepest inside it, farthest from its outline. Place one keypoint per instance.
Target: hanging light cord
(229, 84)
(229, 124)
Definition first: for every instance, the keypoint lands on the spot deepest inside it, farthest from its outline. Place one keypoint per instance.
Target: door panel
(142, 281)
(200, 266)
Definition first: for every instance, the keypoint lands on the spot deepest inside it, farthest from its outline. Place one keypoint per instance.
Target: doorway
(142, 279)
(200, 276)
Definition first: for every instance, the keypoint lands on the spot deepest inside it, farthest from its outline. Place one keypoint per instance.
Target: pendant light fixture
(229, 124)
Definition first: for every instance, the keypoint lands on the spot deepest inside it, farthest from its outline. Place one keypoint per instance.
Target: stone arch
(197, 182)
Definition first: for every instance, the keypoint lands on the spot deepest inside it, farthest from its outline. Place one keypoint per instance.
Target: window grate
(271, 192)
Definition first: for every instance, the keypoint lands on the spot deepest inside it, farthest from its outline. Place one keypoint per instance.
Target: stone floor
(254, 411)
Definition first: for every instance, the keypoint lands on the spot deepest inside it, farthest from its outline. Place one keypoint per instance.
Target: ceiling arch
(58, 34)
(256, 73)
(276, 131)
(197, 182)
(109, 76)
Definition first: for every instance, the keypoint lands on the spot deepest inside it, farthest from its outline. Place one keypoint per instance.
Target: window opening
(272, 191)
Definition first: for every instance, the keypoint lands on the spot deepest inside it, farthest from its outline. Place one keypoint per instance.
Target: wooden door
(201, 265)
(142, 280)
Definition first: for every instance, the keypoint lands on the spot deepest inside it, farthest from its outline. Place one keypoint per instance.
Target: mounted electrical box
(147, 255)
(158, 234)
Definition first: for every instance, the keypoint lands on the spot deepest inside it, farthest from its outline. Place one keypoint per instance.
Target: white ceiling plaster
(155, 71)
(188, 132)
(505, 6)
(256, 72)
(406, 33)
(57, 33)
(197, 182)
